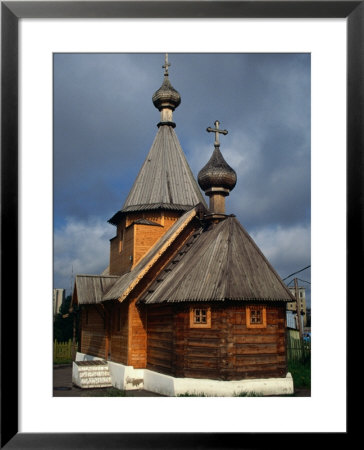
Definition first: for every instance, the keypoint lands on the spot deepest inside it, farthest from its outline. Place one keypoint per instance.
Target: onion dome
(166, 96)
(217, 178)
(217, 173)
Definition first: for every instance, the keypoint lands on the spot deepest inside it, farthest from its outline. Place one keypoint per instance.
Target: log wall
(93, 332)
(137, 348)
(135, 240)
(119, 333)
(121, 248)
(226, 351)
(160, 339)
(255, 352)
(145, 237)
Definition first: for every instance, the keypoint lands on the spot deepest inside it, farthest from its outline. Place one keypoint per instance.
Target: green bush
(301, 373)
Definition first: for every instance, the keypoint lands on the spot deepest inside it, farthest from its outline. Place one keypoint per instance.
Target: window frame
(263, 323)
(194, 324)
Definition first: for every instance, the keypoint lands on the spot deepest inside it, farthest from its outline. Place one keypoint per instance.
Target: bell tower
(163, 190)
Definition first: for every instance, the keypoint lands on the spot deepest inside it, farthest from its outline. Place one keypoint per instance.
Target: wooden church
(187, 292)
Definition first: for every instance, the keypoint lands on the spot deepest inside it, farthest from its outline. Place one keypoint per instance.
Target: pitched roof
(165, 180)
(90, 288)
(223, 263)
(129, 280)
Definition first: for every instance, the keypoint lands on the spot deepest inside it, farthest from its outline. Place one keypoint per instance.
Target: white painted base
(167, 385)
(122, 377)
(87, 377)
(127, 378)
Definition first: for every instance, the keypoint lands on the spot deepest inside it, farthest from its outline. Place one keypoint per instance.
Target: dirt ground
(63, 387)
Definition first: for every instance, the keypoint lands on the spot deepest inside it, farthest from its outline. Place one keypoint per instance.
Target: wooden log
(211, 343)
(244, 349)
(203, 363)
(266, 359)
(157, 343)
(202, 352)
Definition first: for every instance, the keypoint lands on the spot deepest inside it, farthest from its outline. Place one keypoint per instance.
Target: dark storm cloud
(105, 123)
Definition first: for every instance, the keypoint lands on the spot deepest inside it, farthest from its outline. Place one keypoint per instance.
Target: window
(200, 318)
(256, 317)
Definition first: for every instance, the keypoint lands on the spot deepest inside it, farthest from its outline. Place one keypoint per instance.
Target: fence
(63, 351)
(297, 349)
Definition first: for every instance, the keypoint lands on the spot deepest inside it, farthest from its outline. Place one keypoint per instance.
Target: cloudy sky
(105, 123)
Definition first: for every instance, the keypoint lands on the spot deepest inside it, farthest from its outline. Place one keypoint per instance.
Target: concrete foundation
(127, 378)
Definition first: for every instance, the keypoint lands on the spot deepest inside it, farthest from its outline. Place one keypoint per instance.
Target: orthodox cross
(166, 64)
(216, 130)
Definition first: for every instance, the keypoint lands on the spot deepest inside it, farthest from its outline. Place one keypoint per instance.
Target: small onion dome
(166, 96)
(217, 173)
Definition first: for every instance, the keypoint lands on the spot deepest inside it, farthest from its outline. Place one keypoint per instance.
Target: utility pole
(298, 308)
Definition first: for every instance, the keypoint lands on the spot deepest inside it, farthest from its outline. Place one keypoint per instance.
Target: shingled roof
(90, 288)
(165, 180)
(223, 263)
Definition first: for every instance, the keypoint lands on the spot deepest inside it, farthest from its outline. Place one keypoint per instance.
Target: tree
(308, 312)
(64, 320)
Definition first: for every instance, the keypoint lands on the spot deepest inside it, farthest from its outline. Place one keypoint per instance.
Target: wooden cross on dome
(166, 64)
(216, 130)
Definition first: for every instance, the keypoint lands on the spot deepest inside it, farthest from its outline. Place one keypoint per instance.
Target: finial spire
(217, 178)
(217, 131)
(166, 65)
(166, 99)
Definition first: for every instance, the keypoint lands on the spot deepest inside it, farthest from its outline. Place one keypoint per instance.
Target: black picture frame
(11, 13)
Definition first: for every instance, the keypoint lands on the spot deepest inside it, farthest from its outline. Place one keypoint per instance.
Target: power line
(296, 272)
(304, 281)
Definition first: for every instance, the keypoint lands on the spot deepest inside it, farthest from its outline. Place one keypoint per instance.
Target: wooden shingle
(165, 180)
(223, 263)
(90, 288)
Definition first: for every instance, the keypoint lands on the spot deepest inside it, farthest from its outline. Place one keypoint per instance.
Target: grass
(62, 361)
(240, 394)
(301, 373)
(188, 394)
(247, 394)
